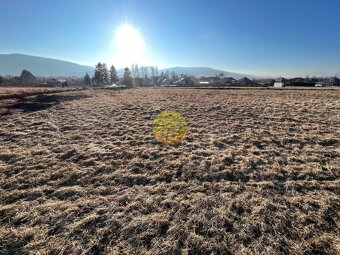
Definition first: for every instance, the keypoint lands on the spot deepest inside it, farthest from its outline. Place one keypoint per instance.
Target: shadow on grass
(41, 102)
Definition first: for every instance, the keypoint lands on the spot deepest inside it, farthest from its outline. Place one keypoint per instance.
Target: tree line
(104, 76)
(138, 76)
(25, 78)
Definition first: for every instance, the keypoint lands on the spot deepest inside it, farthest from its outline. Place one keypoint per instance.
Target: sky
(262, 37)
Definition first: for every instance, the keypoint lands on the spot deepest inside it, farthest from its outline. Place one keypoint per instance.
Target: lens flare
(170, 127)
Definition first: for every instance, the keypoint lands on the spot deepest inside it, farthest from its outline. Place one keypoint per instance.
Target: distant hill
(323, 74)
(204, 71)
(13, 64)
(197, 72)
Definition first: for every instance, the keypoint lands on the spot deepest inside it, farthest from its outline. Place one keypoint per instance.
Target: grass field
(257, 173)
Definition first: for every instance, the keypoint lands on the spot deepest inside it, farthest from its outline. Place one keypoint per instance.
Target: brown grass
(258, 173)
(21, 92)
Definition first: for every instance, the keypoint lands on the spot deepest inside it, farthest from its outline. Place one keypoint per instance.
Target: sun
(129, 46)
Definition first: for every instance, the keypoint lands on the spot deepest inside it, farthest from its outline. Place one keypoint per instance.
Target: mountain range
(13, 64)
(205, 71)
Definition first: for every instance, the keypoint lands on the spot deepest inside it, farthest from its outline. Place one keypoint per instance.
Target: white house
(204, 83)
(165, 82)
(280, 82)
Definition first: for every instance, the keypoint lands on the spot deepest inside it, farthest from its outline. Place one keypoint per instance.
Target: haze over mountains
(195, 71)
(204, 71)
(13, 64)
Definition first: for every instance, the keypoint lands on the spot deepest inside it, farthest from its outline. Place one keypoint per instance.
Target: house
(245, 82)
(302, 82)
(181, 82)
(214, 81)
(159, 81)
(319, 84)
(334, 81)
(265, 82)
(206, 81)
(203, 83)
(165, 82)
(228, 81)
(296, 81)
(53, 81)
(280, 82)
(152, 82)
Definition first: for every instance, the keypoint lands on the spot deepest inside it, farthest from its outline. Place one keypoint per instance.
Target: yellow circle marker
(169, 127)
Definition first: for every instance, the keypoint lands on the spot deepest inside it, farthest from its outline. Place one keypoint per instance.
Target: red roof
(281, 79)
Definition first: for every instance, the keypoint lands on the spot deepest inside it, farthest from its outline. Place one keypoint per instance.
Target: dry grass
(18, 90)
(258, 173)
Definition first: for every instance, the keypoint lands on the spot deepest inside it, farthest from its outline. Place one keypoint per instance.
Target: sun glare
(129, 46)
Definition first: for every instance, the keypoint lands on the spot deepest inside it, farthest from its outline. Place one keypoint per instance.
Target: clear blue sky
(264, 37)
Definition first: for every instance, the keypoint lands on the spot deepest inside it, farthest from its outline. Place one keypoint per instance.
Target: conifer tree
(127, 77)
(113, 75)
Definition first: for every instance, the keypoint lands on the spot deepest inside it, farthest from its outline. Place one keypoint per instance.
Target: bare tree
(156, 70)
(136, 71)
(152, 72)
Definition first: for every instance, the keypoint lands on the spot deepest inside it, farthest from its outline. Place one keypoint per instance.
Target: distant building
(216, 81)
(165, 82)
(245, 82)
(152, 82)
(334, 81)
(228, 81)
(53, 81)
(181, 82)
(265, 82)
(203, 83)
(302, 82)
(319, 84)
(280, 82)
